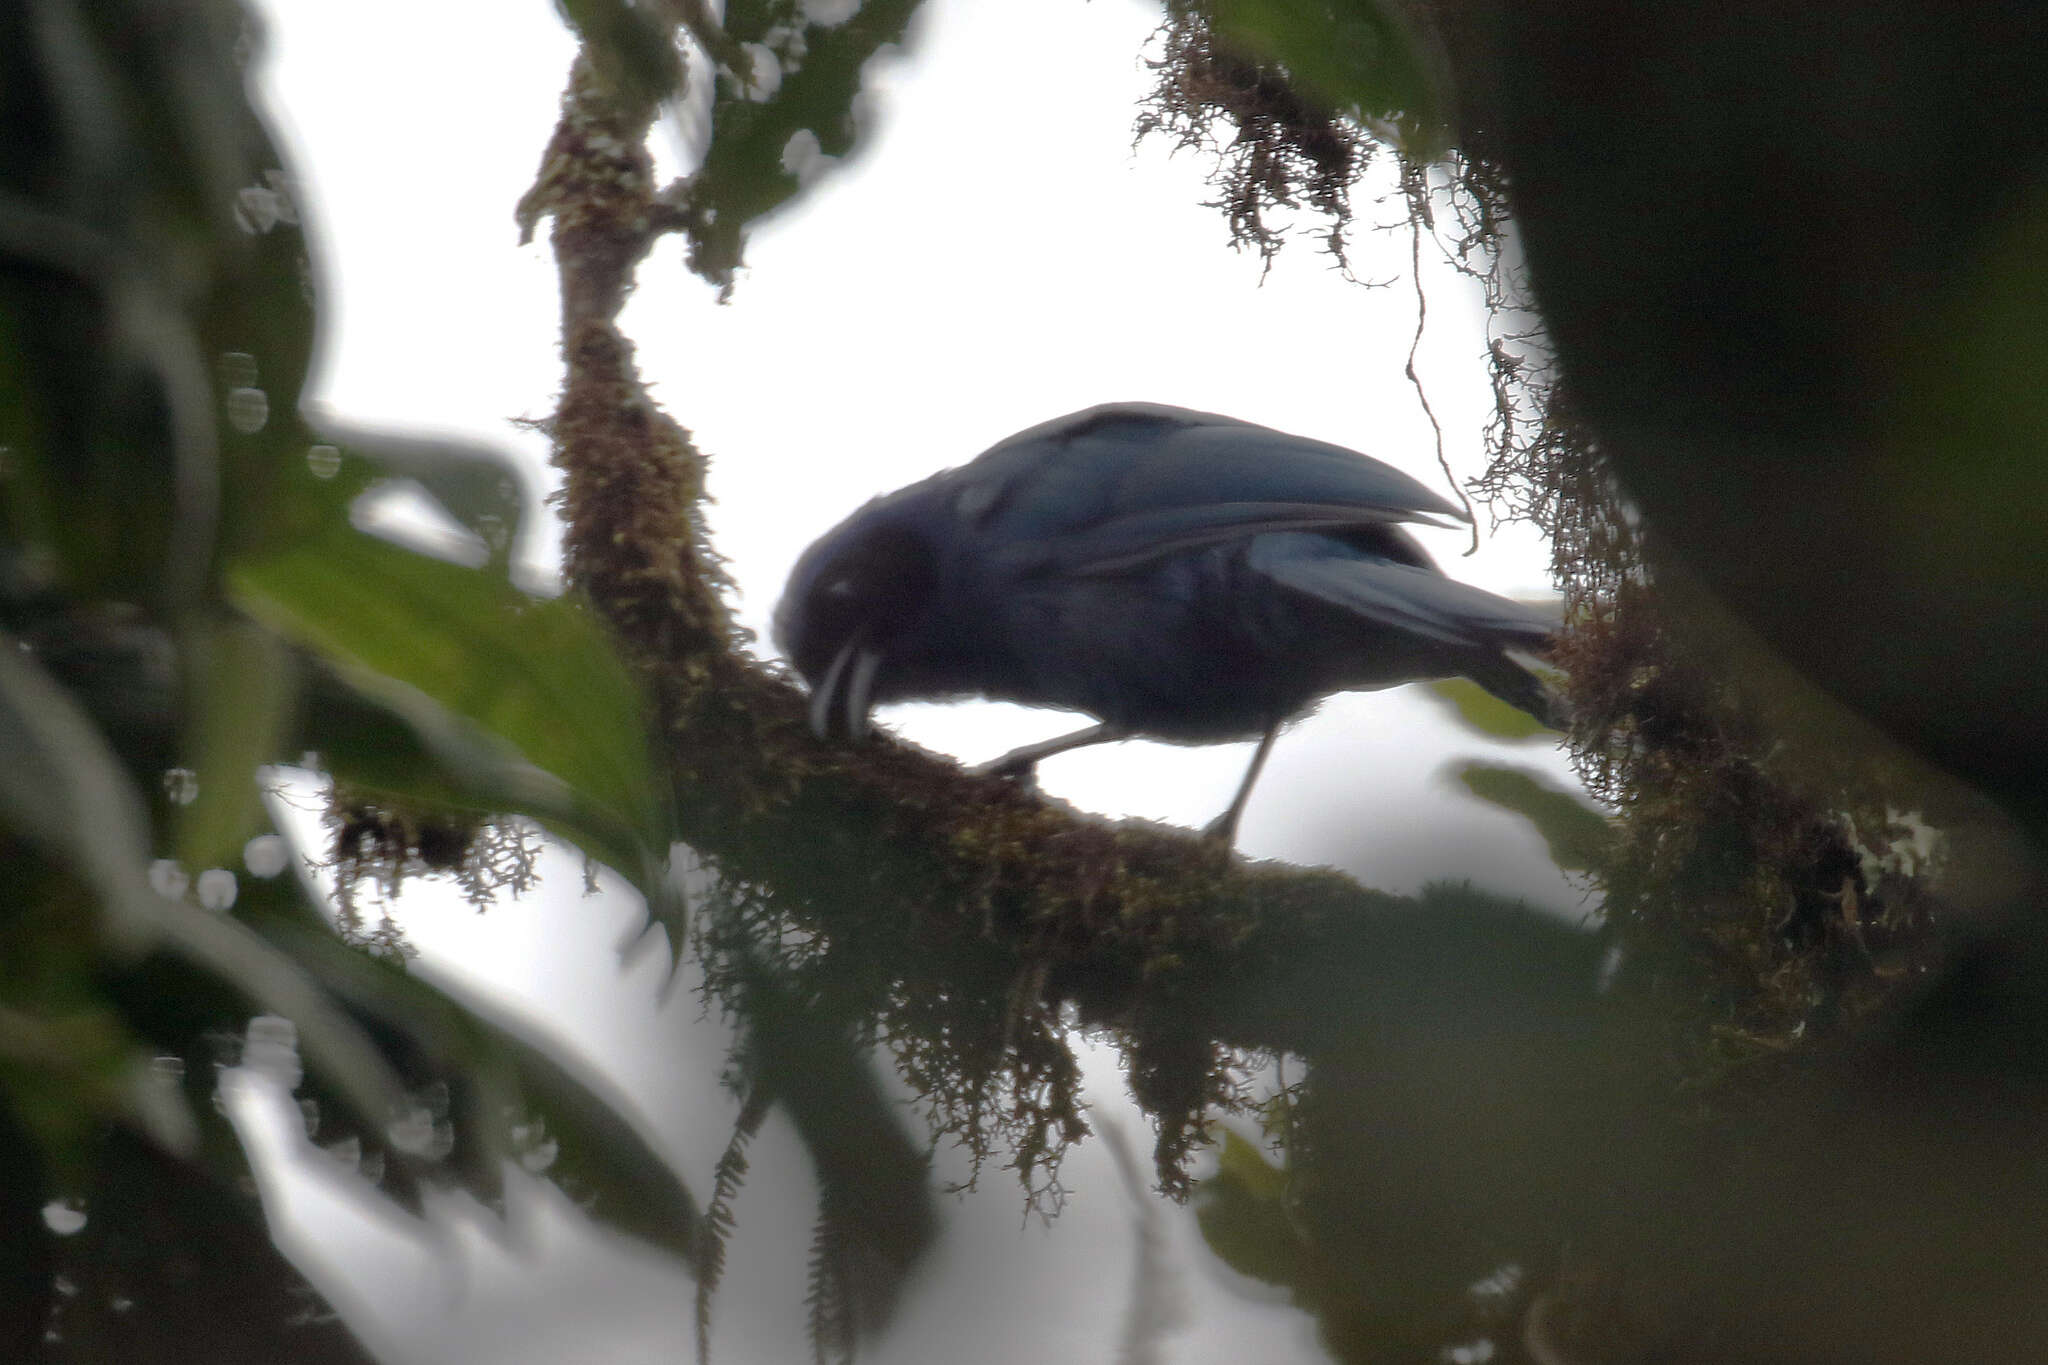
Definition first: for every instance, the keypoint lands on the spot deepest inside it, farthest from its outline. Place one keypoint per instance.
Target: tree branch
(972, 910)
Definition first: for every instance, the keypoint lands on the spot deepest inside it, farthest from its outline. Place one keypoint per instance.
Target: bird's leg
(1223, 829)
(1020, 761)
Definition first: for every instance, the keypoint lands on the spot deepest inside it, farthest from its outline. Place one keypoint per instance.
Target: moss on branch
(962, 921)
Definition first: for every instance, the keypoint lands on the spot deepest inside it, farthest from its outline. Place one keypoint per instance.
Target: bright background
(999, 254)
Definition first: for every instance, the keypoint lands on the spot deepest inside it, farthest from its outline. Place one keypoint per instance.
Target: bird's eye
(841, 588)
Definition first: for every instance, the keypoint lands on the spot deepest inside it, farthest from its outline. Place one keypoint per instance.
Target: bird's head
(852, 607)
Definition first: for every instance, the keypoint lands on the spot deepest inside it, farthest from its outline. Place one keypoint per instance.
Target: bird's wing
(1110, 488)
(1123, 543)
(1400, 596)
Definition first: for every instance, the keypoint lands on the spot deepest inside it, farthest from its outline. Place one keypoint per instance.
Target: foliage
(1578, 836)
(786, 101)
(1483, 713)
(1250, 1214)
(777, 126)
(517, 696)
(1786, 883)
(183, 599)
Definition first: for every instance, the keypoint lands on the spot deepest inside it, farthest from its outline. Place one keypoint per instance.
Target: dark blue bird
(1174, 574)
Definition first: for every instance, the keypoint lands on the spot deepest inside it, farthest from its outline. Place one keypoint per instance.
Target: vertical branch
(634, 538)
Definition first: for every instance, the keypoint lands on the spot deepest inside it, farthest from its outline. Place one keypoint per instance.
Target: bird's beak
(847, 690)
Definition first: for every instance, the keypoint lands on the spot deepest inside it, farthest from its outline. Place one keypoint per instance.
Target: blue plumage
(1171, 573)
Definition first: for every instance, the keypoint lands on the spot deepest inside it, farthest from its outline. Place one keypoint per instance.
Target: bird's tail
(1524, 689)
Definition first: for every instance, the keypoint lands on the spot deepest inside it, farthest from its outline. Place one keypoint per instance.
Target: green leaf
(1483, 713)
(66, 1074)
(1242, 1213)
(476, 485)
(238, 713)
(764, 152)
(1576, 833)
(582, 1141)
(521, 700)
(1246, 1166)
(874, 1179)
(106, 422)
(1357, 57)
(61, 787)
(590, 1148)
(314, 473)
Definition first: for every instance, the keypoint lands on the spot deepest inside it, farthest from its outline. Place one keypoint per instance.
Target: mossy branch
(951, 886)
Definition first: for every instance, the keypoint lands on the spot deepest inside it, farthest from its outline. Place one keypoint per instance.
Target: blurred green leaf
(105, 419)
(1483, 713)
(875, 1216)
(1965, 465)
(62, 786)
(66, 1074)
(155, 284)
(423, 757)
(588, 1147)
(175, 1263)
(793, 120)
(1576, 833)
(1242, 1213)
(156, 322)
(246, 688)
(523, 699)
(477, 485)
(1357, 57)
(1248, 1168)
(581, 1140)
(317, 471)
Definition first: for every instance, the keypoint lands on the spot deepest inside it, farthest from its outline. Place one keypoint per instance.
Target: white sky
(999, 256)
